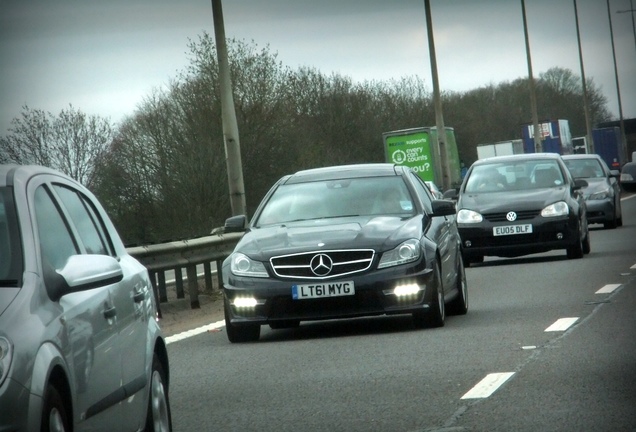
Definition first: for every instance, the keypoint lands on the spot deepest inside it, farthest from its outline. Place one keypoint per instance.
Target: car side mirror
(443, 207)
(236, 224)
(451, 194)
(580, 183)
(81, 273)
(615, 173)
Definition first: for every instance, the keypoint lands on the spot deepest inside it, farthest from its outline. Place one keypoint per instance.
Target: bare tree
(71, 142)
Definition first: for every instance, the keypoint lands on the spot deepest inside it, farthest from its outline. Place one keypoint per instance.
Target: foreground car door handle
(139, 296)
(110, 312)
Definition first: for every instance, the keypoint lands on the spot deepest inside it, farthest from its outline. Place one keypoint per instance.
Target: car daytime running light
(245, 302)
(406, 290)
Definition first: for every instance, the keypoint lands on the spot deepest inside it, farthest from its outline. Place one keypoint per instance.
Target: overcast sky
(104, 57)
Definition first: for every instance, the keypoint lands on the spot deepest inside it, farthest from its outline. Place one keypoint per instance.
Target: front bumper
(547, 234)
(373, 296)
(600, 211)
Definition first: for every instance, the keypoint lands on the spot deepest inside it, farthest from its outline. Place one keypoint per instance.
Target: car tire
(576, 251)
(158, 417)
(436, 314)
(240, 333)
(54, 413)
(459, 305)
(587, 248)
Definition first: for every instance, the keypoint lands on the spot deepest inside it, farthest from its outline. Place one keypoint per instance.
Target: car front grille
(521, 215)
(322, 264)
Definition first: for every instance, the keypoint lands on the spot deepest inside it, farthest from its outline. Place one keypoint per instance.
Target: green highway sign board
(412, 149)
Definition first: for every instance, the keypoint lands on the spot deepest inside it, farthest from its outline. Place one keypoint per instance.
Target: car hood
(378, 233)
(595, 185)
(512, 200)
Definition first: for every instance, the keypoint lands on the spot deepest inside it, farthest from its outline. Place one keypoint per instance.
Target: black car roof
(345, 171)
(519, 157)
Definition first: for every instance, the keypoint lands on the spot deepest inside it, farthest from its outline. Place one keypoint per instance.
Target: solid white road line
(488, 385)
(609, 288)
(194, 332)
(562, 324)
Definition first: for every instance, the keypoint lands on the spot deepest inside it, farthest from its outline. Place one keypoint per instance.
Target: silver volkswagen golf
(80, 347)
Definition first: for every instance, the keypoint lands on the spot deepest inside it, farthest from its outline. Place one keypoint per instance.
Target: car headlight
(242, 265)
(6, 353)
(604, 194)
(468, 216)
(406, 252)
(627, 177)
(557, 209)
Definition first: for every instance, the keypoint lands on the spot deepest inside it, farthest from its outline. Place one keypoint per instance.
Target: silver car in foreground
(80, 347)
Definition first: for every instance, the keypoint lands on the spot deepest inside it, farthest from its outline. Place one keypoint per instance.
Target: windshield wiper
(8, 283)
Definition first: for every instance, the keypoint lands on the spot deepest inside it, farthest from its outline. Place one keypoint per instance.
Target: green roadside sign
(413, 150)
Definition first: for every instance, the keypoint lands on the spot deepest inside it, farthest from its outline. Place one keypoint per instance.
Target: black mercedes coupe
(344, 242)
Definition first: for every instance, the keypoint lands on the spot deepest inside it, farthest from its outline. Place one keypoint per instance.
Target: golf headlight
(406, 252)
(557, 209)
(242, 265)
(468, 216)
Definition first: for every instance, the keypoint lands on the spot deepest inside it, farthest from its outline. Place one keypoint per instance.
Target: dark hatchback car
(603, 191)
(516, 205)
(344, 242)
(628, 177)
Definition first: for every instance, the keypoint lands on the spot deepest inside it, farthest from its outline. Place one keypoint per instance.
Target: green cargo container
(412, 147)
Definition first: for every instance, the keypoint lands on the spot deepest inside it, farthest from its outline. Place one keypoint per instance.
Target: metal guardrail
(159, 258)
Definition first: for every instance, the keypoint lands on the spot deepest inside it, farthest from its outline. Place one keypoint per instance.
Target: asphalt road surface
(548, 344)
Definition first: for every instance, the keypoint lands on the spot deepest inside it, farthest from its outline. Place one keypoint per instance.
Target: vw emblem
(321, 265)
(511, 216)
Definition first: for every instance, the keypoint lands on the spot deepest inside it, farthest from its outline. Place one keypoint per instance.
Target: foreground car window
(337, 198)
(10, 246)
(55, 240)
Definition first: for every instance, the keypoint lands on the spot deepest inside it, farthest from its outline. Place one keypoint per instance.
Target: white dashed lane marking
(609, 288)
(488, 385)
(562, 324)
(194, 332)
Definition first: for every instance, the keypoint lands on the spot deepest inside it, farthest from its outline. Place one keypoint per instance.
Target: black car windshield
(10, 246)
(337, 198)
(514, 175)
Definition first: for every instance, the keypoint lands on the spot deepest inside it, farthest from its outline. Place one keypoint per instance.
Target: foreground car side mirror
(443, 208)
(236, 224)
(615, 173)
(81, 273)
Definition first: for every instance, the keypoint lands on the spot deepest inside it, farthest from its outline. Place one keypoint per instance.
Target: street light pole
(533, 97)
(586, 105)
(631, 10)
(618, 90)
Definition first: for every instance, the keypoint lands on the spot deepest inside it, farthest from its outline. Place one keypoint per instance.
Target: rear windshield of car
(514, 175)
(338, 198)
(11, 262)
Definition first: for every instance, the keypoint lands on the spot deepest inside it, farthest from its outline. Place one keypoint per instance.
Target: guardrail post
(193, 286)
(178, 277)
(207, 270)
(161, 285)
